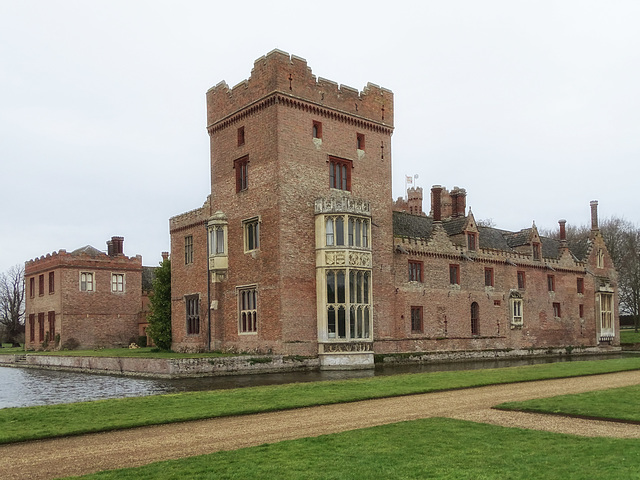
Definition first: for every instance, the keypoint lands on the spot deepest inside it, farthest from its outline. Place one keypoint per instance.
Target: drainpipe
(206, 226)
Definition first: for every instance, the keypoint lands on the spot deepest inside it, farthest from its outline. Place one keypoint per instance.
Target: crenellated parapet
(82, 257)
(197, 216)
(280, 78)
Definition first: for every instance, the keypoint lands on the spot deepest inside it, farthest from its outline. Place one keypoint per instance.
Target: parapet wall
(289, 75)
(62, 258)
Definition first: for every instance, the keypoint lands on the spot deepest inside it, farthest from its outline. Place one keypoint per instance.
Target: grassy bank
(629, 336)
(31, 423)
(430, 448)
(616, 404)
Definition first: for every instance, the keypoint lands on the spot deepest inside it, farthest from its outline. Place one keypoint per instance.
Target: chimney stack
(115, 246)
(461, 203)
(165, 256)
(594, 215)
(563, 230)
(436, 205)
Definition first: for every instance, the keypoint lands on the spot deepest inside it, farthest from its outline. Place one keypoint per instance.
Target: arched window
(475, 319)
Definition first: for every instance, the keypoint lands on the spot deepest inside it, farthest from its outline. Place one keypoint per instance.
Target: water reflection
(23, 387)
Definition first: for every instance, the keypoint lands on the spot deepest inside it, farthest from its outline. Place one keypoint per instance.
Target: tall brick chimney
(461, 202)
(436, 202)
(115, 246)
(165, 256)
(563, 230)
(594, 215)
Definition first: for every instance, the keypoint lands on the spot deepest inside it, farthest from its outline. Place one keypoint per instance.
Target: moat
(22, 387)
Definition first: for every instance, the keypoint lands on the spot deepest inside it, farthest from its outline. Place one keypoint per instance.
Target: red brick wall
(99, 318)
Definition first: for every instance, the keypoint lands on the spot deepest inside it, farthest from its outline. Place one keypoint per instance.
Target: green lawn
(629, 336)
(430, 448)
(616, 403)
(29, 423)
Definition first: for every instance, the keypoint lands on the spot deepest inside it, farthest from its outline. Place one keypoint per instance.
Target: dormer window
(536, 251)
(471, 241)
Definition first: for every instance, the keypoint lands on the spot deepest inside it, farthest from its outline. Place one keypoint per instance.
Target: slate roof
(148, 275)
(415, 226)
(88, 250)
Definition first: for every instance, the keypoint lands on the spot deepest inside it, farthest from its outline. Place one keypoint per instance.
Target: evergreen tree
(160, 316)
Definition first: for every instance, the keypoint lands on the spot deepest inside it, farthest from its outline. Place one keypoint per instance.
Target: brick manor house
(301, 250)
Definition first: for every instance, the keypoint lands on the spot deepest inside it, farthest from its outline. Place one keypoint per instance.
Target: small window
(536, 251)
(41, 285)
(416, 319)
(488, 277)
(240, 136)
(316, 130)
(117, 282)
(192, 303)
(86, 282)
(248, 310)
(188, 249)
(454, 274)
(52, 282)
(475, 319)
(516, 311)
(32, 287)
(360, 141)
(551, 283)
(41, 326)
(581, 310)
(600, 259)
(497, 303)
(358, 232)
(241, 165)
(580, 285)
(415, 271)
(32, 327)
(251, 229)
(335, 231)
(556, 310)
(521, 280)
(340, 173)
(472, 241)
(52, 326)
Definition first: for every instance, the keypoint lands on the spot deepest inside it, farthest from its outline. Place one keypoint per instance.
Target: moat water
(22, 387)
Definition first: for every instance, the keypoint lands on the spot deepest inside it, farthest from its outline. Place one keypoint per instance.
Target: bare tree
(629, 275)
(12, 304)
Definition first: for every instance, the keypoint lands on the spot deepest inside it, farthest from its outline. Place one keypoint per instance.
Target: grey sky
(532, 106)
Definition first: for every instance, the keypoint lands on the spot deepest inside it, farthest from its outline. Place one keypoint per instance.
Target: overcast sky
(532, 106)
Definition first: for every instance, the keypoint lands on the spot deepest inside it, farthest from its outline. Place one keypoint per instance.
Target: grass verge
(429, 448)
(614, 404)
(629, 336)
(30, 423)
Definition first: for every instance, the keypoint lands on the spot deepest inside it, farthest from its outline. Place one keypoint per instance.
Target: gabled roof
(416, 226)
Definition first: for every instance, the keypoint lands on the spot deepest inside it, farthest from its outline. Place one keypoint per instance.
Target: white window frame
(247, 309)
(118, 282)
(516, 307)
(92, 282)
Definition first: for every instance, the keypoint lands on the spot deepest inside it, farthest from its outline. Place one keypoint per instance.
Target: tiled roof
(416, 226)
(88, 250)
(413, 226)
(148, 275)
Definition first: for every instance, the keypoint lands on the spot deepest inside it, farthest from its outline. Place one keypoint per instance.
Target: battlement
(288, 75)
(190, 218)
(82, 257)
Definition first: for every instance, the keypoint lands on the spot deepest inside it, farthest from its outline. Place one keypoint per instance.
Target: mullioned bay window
(344, 273)
(217, 233)
(348, 304)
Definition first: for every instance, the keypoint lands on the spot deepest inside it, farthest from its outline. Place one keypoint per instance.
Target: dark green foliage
(160, 317)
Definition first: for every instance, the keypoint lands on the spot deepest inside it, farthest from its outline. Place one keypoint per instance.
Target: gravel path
(55, 458)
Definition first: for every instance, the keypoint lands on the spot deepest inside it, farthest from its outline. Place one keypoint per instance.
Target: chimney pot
(165, 256)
